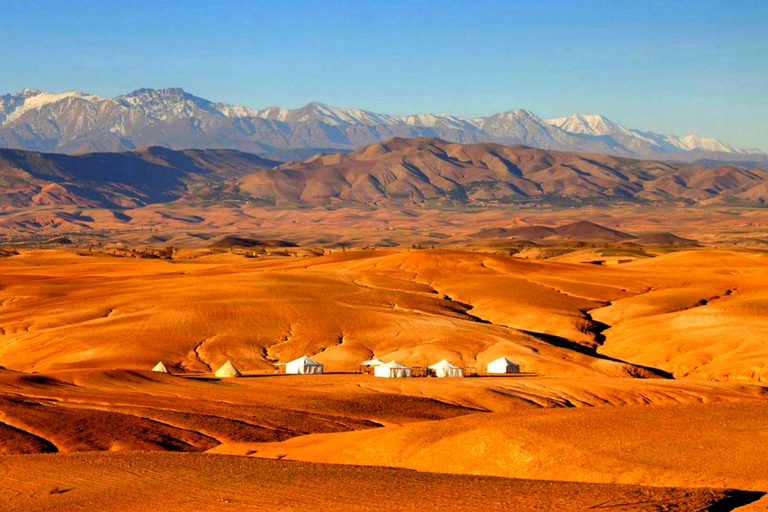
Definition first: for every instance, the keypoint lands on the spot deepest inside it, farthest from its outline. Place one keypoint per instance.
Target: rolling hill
(582, 230)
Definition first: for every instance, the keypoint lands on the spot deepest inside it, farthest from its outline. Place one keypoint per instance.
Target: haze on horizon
(690, 67)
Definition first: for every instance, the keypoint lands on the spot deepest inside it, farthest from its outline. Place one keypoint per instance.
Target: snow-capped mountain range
(76, 122)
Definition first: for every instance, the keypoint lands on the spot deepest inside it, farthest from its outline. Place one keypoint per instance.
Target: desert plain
(642, 382)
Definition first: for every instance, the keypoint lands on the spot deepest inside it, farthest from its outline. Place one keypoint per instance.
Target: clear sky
(670, 66)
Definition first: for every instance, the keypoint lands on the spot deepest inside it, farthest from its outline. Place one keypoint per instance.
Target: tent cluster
(226, 370)
(396, 370)
(303, 365)
(392, 370)
(444, 368)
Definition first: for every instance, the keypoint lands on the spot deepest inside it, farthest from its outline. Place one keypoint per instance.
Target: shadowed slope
(123, 180)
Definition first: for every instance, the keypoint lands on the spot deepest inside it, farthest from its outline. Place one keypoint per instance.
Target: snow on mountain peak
(431, 120)
(167, 103)
(588, 124)
(35, 100)
(27, 93)
(692, 142)
(235, 110)
(273, 113)
(336, 116)
(514, 120)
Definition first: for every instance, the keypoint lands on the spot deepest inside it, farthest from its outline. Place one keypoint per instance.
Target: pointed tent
(373, 362)
(304, 366)
(160, 367)
(228, 370)
(503, 365)
(392, 370)
(446, 369)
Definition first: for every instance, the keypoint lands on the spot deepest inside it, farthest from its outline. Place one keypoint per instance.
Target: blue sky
(668, 66)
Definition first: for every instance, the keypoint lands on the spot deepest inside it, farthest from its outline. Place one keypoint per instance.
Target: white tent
(160, 367)
(503, 365)
(392, 370)
(228, 370)
(373, 362)
(446, 369)
(304, 365)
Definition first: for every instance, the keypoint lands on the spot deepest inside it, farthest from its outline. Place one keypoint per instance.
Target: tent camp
(160, 367)
(446, 369)
(304, 365)
(392, 370)
(503, 365)
(228, 370)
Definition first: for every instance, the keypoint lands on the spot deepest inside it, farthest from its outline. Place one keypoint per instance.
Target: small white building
(392, 370)
(445, 369)
(160, 367)
(228, 370)
(304, 366)
(503, 365)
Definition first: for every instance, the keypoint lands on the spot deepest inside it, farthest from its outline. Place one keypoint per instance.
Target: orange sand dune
(63, 310)
(683, 445)
(69, 311)
(119, 410)
(713, 324)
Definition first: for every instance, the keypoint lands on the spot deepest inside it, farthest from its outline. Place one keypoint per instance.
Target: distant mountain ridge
(77, 122)
(425, 171)
(117, 180)
(429, 170)
(599, 126)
